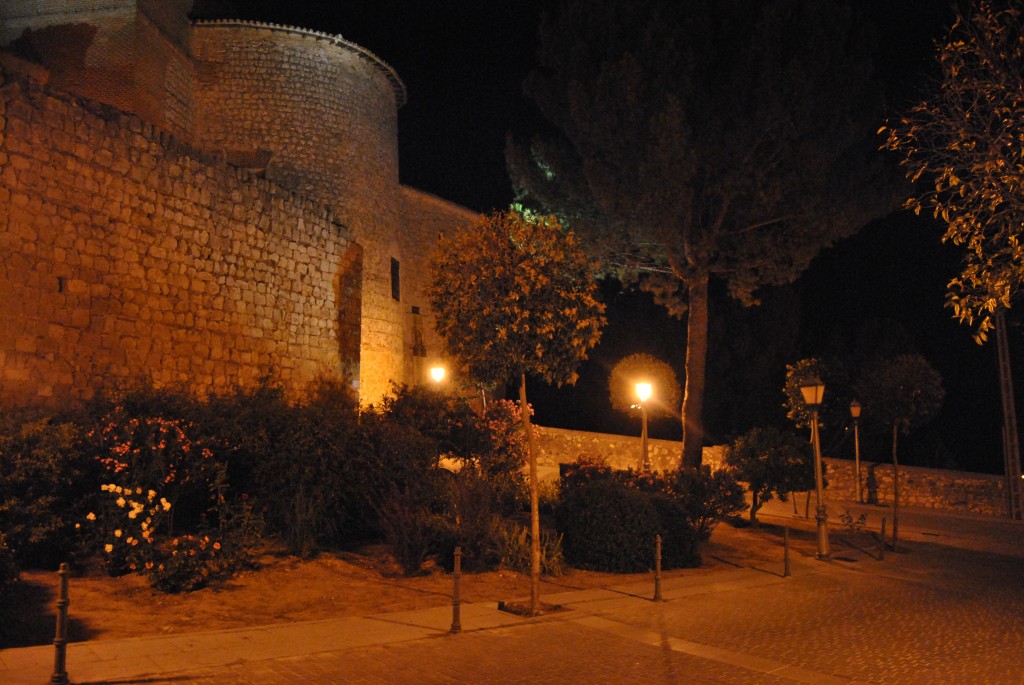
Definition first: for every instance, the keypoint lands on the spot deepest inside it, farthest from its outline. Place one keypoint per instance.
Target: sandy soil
(285, 588)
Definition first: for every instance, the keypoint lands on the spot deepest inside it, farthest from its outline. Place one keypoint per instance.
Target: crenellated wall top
(376, 62)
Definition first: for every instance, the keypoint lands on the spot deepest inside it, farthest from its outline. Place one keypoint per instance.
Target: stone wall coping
(442, 203)
(386, 69)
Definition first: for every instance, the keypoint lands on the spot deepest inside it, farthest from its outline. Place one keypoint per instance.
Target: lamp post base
(821, 516)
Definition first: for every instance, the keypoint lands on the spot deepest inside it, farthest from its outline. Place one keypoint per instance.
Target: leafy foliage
(709, 497)
(965, 141)
(610, 526)
(835, 407)
(47, 484)
(515, 294)
(905, 390)
(699, 140)
(772, 463)
(635, 368)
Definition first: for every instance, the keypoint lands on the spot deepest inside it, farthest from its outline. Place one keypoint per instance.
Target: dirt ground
(286, 588)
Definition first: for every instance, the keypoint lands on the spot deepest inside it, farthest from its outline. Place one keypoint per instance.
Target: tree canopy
(515, 294)
(696, 140)
(965, 145)
(772, 463)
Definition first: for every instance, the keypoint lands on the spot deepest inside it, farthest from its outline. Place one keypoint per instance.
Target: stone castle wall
(976, 493)
(425, 217)
(127, 255)
(309, 112)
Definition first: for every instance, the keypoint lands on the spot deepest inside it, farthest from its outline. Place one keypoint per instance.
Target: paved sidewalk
(930, 614)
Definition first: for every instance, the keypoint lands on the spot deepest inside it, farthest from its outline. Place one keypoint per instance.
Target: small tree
(904, 392)
(772, 463)
(835, 409)
(513, 295)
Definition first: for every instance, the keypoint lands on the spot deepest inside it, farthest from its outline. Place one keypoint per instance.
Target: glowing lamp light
(813, 391)
(437, 373)
(643, 391)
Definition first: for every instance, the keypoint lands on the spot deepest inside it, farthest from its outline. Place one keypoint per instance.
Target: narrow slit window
(396, 280)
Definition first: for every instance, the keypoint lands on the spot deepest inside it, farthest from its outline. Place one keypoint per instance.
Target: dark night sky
(463, 64)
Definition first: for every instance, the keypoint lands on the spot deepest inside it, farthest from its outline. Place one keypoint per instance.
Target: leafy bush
(8, 569)
(471, 521)
(8, 578)
(189, 563)
(46, 485)
(708, 497)
(608, 527)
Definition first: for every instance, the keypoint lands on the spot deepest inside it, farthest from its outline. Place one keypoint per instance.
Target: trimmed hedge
(609, 526)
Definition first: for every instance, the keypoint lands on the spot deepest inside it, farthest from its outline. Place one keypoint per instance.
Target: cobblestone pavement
(928, 615)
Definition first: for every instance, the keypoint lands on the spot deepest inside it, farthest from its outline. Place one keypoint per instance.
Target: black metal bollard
(881, 542)
(785, 554)
(60, 641)
(657, 568)
(456, 618)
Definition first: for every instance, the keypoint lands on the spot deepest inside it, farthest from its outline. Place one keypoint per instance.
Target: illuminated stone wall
(128, 256)
(976, 493)
(309, 112)
(424, 218)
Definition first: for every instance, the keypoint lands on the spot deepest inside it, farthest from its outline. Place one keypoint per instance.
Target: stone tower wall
(311, 113)
(424, 217)
(128, 256)
(322, 114)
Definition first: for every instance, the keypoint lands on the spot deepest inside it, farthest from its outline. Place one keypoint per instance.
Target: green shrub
(8, 579)
(189, 563)
(8, 569)
(46, 486)
(608, 526)
(471, 520)
(708, 497)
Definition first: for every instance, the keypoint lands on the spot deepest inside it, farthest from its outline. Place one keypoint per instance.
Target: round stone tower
(317, 115)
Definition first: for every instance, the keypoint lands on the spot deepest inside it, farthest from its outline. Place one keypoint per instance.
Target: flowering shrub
(126, 526)
(188, 563)
(154, 453)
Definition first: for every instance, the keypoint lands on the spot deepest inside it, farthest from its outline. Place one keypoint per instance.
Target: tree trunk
(531, 442)
(755, 505)
(895, 487)
(696, 368)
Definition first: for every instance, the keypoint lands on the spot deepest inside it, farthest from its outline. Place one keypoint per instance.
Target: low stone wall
(977, 493)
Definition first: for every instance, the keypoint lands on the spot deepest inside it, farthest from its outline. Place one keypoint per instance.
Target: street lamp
(813, 390)
(855, 414)
(644, 391)
(437, 374)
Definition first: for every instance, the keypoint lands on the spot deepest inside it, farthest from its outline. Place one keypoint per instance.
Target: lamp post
(813, 391)
(643, 391)
(855, 415)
